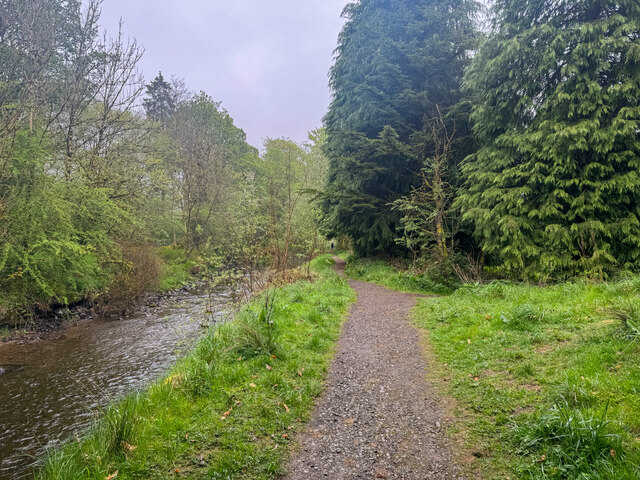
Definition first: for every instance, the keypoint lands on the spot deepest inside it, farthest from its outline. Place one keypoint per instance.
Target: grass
(380, 272)
(5, 332)
(230, 408)
(177, 271)
(546, 380)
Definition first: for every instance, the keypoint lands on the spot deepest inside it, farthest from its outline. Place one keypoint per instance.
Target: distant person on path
(331, 245)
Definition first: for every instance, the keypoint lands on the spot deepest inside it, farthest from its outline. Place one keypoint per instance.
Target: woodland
(485, 154)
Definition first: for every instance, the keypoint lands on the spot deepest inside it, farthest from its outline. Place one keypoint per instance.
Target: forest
(111, 187)
(486, 155)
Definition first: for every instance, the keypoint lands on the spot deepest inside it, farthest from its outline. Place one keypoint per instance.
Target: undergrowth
(382, 273)
(228, 409)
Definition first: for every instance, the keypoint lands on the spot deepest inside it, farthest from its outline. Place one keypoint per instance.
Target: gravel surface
(378, 418)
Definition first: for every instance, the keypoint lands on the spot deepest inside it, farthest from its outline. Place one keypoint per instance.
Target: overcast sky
(266, 60)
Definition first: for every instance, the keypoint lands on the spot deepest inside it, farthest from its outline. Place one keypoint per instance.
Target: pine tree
(396, 60)
(555, 189)
(160, 102)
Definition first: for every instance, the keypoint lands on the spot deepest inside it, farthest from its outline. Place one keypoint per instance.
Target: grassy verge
(228, 410)
(380, 272)
(547, 380)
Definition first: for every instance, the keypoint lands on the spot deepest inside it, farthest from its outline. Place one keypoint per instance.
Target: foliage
(395, 62)
(90, 188)
(160, 101)
(427, 222)
(545, 381)
(382, 273)
(554, 190)
(252, 404)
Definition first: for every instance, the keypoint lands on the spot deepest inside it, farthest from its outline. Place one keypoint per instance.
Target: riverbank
(230, 407)
(544, 380)
(175, 279)
(47, 325)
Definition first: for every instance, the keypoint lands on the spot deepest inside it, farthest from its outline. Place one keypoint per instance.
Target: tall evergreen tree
(555, 189)
(160, 102)
(396, 60)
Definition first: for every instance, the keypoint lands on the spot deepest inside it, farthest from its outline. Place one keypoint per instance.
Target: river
(53, 388)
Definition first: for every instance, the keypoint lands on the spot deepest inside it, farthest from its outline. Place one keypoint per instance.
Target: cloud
(266, 60)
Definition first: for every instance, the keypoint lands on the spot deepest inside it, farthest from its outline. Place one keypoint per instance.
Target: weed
(571, 444)
(118, 425)
(258, 335)
(627, 312)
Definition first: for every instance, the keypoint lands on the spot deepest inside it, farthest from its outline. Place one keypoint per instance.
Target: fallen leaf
(269, 367)
(543, 458)
(252, 385)
(226, 414)
(468, 340)
(285, 407)
(299, 373)
(476, 378)
(128, 447)
(285, 436)
(112, 476)
(613, 453)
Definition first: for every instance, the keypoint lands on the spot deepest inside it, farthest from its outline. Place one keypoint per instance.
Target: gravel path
(378, 418)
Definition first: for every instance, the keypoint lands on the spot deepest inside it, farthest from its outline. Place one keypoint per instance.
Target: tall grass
(228, 409)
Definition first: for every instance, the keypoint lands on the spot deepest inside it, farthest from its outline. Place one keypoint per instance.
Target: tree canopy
(554, 188)
(395, 62)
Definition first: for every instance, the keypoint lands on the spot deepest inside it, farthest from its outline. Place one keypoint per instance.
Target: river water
(52, 388)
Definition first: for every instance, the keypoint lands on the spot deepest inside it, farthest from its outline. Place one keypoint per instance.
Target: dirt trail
(378, 417)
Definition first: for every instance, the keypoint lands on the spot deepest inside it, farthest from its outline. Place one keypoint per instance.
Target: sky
(267, 61)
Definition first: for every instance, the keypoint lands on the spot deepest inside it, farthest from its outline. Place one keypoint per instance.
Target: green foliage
(554, 189)
(395, 62)
(627, 312)
(382, 273)
(546, 383)
(219, 414)
(58, 240)
(160, 102)
(575, 445)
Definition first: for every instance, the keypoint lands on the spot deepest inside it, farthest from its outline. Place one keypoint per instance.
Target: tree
(394, 63)
(555, 188)
(160, 102)
(208, 147)
(426, 221)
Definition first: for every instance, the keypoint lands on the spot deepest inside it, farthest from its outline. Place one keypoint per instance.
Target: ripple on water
(50, 389)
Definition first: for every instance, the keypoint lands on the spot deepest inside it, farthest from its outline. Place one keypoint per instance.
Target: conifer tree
(555, 188)
(396, 60)
(160, 102)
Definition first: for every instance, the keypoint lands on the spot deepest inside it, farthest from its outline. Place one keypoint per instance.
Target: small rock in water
(2, 370)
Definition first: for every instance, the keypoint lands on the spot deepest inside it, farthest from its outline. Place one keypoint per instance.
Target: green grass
(177, 271)
(5, 332)
(229, 409)
(380, 272)
(546, 379)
